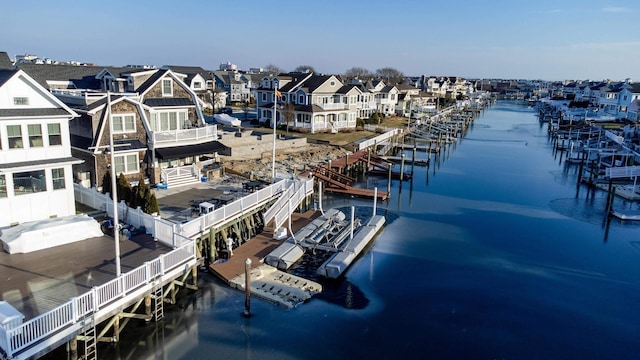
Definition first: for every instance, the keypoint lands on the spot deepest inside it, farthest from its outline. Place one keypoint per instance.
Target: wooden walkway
(39, 281)
(257, 248)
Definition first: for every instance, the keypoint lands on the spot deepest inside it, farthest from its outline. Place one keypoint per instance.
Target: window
(29, 182)
(197, 85)
(167, 87)
(35, 135)
(57, 175)
(55, 138)
(3, 186)
(20, 101)
(14, 135)
(169, 121)
(301, 99)
(123, 123)
(126, 164)
(264, 97)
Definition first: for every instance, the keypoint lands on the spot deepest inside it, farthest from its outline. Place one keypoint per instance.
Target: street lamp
(114, 192)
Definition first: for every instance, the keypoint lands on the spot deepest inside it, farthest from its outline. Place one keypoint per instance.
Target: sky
(509, 39)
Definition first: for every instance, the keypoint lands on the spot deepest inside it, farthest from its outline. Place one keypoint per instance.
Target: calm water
(491, 253)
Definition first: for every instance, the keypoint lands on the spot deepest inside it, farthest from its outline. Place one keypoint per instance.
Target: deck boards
(258, 247)
(39, 281)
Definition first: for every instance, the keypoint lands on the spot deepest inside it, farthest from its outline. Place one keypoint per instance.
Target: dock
(267, 282)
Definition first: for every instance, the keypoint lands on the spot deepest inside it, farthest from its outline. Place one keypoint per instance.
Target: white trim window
(35, 135)
(55, 136)
(14, 136)
(167, 87)
(126, 164)
(169, 120)
(57, 177)
(123, 123)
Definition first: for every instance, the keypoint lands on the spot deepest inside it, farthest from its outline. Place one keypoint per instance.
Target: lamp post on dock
(114, 192)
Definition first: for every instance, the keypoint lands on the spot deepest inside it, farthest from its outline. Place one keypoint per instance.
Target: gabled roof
(315, 81)
(346, 88)
(56, 108)
(5, 61)
(6, 75)
(84, 77)
(190, 71)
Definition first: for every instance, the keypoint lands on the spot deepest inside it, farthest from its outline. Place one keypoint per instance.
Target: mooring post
(375, 200)
(389, 183)
(353, 210)
(413, 159)
(247, 288)
(402, 168)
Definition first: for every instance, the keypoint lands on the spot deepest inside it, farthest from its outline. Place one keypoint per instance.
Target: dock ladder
(159, 302)
(89, 336)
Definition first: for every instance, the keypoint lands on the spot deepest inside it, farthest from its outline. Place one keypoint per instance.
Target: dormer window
(167, 87)
(197, 85)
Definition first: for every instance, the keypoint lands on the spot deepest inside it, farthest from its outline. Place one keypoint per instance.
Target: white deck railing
(66, 319)
(35, 335)
(207, 132)
(390, 132)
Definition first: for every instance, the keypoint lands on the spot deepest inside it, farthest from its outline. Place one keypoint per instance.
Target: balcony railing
(194, 135)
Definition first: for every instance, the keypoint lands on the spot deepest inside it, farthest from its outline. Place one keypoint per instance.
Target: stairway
(182, 180)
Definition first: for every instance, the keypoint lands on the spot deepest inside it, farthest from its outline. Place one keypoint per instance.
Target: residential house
(309, 102)
(36, 178)
(235, 84)
(203, 84)
(159, 133)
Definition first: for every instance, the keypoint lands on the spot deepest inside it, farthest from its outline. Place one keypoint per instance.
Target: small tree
(106, 183)
(288, 112)
(123, 188)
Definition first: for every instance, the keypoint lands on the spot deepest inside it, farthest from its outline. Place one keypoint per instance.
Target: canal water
(493, 252)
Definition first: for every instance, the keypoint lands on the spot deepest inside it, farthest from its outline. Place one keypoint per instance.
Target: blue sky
(539, 39)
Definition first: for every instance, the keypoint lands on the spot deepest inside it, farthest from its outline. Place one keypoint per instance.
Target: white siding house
(36, 180)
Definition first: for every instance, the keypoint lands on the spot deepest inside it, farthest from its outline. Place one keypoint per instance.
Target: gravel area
(295, 161)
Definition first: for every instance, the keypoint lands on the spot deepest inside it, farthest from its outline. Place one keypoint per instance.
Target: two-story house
(36, 178)
(159, 132)
(234, 84)
(314, 103)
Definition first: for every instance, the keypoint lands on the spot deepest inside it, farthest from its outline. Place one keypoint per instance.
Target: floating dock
(279, 287)
(291, 250)
(339, 262)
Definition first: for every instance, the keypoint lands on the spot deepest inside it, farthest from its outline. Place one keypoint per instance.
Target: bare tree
(288, 113)
(305, 69)
(359, 73)
(390, 75)
(273, 69)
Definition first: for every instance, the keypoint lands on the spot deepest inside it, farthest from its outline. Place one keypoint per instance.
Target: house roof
(177, 152)
(160, 102)
(315, 81)
(6, 75)
(5, 61)
(9, 165)
(33, 112)
(190, 71)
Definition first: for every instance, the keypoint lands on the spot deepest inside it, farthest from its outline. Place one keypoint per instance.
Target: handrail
(58, 320)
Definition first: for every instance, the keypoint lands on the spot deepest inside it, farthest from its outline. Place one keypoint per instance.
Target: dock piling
(247, 288)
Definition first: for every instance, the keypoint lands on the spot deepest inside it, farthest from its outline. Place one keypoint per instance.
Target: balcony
(186, 136)
(335, 106)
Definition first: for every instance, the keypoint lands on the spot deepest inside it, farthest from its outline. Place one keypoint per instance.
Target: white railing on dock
(22, 341)
(35, 335)
(389, 132)
(622, 172)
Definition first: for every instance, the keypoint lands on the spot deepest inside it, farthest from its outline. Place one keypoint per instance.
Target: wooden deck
(39, 281)
(258, 247)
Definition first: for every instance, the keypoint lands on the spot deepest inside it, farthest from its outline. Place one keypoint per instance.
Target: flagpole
(114, 192)
(273, 157)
